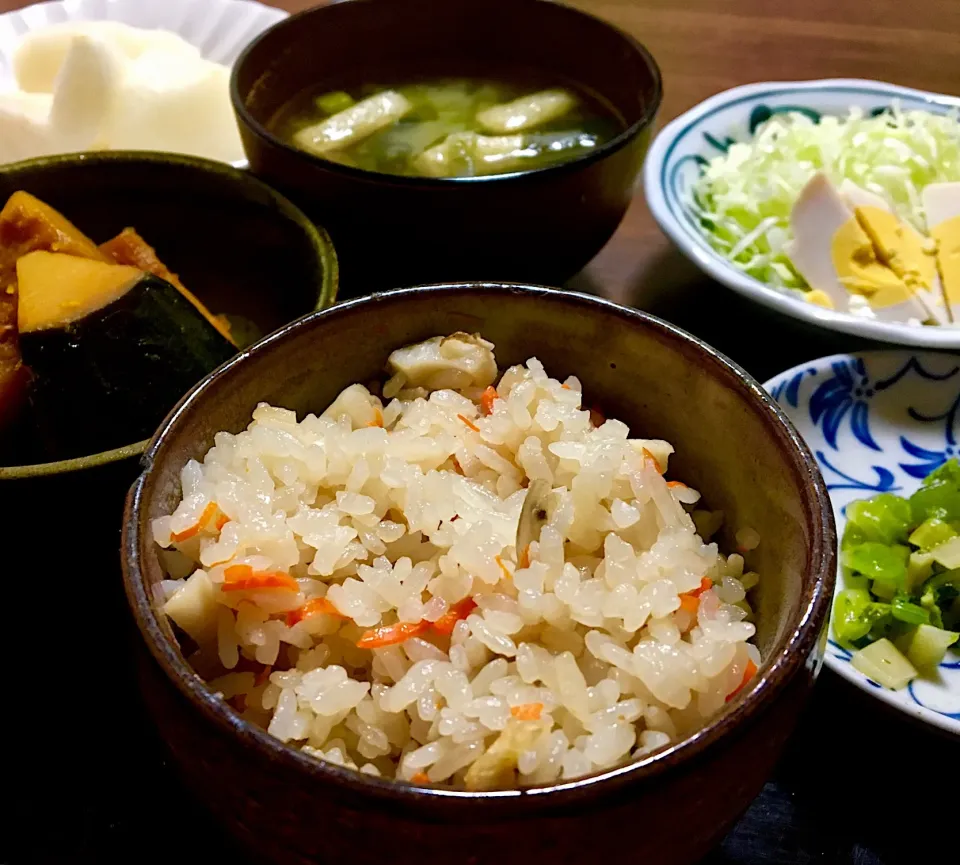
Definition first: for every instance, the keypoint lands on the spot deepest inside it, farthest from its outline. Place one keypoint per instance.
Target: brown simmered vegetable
(56, 289)
(13, 375)
(27, 224)
(128, 247)
(96, 343)
(111, 350)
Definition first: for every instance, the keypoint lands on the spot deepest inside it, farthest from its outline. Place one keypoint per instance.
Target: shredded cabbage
(744, 197)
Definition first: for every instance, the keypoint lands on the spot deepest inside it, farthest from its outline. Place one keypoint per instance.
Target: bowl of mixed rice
(450, 557)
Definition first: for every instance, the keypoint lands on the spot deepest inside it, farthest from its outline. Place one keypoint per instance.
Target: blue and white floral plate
(677, 156)
(880, 422)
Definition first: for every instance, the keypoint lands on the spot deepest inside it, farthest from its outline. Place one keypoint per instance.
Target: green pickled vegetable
(906, 611)
(949, 471)
(932, 533)
(888, 564)
(919, 569)
(926, 646)
(901, 560)
(939, 500)
(849, 623)
(884, 518)
(885, 664)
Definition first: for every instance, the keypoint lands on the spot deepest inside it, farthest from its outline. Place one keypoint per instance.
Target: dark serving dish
(541, 225)
(732, 442)
(238, 245)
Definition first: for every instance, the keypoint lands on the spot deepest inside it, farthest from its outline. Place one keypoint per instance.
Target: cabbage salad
(744, 197)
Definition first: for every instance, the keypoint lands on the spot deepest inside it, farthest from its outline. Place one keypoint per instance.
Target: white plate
(880, 422)
(221, 29)
(704, 132)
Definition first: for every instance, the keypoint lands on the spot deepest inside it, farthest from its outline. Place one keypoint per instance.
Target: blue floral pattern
(880, 422)
(847, 391)
(931, 459)
(883, 484)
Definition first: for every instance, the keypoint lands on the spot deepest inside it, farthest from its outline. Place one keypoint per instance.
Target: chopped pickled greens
(926, 646)
(901, 557)
(881, 562)
(931, 533)
(744, 197)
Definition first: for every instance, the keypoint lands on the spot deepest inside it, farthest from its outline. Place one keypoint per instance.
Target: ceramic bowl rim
(697, 250)
(799, 643)
(319, 240)
(246, 118)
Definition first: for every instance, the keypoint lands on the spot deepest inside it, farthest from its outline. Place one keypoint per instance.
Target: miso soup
(463, 127)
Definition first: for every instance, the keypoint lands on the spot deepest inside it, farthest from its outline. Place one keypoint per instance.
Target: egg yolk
(897, 245)
(859, 269)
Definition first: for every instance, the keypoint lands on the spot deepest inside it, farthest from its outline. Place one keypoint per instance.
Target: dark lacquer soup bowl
(732, 442)
(390, 230)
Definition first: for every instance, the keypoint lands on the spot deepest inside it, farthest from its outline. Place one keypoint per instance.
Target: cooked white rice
(617, 630)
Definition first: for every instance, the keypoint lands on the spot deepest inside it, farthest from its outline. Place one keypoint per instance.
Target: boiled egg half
(858, 256)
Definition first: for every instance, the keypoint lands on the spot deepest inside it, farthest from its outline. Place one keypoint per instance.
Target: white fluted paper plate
(221, 29)
(880, 421)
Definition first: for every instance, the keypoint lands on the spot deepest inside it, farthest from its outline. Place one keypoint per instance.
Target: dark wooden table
(857, 784)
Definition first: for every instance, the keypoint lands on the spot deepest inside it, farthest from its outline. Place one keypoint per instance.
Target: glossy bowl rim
(697, 249)
(618, 142)
(800, 641)
(323, 251)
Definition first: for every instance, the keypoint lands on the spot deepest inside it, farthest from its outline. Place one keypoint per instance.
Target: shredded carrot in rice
(506, 571)
(527, 711)
(689, 604)
(237, 572)
(420, 778)
(649, 456)
(490, 395)
(705, 584)
(690, 601)
(749, 672)
(314, 605)
(391, 635)
(189, 532)
(222, 520)
(460, 610)
(679, 484)
(377, 418)
(565, 386)
(241, 578)
(469, 423)
(456, 466)
(263, 675)
(523, 560)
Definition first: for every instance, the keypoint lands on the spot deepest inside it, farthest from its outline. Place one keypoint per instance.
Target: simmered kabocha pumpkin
(97, 343)
(128, 247)
(26, 223)
(111, 349)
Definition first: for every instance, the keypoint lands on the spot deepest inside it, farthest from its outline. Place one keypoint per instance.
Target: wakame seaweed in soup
(458, 127)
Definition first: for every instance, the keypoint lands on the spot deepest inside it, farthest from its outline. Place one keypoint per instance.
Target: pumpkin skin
(109, 377)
